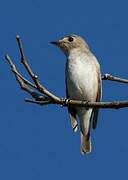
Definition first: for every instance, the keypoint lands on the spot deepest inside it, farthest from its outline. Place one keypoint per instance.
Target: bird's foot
(64, 101)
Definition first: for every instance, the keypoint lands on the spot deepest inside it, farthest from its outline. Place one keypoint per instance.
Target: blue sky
(37, 142)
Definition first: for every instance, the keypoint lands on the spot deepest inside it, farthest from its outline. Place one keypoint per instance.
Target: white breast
(82, 80)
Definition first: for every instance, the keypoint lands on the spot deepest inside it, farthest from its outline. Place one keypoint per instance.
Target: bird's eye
(70, 39)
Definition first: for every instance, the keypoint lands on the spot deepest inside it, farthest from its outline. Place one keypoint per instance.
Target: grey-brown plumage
(83, 82)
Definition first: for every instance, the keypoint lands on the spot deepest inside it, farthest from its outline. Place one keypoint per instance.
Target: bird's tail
(85, 144)
(85, 124)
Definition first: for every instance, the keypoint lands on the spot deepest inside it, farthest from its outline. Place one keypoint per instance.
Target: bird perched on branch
(83, 82)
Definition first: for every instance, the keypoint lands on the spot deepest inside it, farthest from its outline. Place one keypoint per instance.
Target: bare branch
(114, 78)
(113, 104)
(14, 70)
(23, 82)
(39, 86)
(45, 97)
(86, 104)
(44, 102)
(23, 58)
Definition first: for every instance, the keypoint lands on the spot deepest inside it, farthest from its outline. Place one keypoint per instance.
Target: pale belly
(82, 80)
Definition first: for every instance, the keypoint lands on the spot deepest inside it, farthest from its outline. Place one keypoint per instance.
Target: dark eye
(70, 39)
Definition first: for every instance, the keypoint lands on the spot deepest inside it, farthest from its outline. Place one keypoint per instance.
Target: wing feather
(98, 99)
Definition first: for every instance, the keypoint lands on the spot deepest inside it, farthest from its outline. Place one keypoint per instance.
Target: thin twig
(23, 82)
(39, 86)
(114, 78)
(14, 69)
(23, 58)
(44, 102)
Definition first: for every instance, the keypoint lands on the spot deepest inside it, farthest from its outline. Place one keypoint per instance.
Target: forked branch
(42, 96)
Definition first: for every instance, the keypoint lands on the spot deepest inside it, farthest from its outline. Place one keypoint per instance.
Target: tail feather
(85, 144)
(85, 122)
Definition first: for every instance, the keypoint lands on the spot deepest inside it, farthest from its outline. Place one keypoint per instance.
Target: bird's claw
(64, 101)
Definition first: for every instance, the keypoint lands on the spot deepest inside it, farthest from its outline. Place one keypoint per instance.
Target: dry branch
(42, 96)
(114, 78)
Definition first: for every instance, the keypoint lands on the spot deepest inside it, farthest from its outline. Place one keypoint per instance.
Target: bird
(83, 82)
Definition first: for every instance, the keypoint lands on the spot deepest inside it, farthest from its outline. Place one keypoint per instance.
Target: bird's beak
(55, 42)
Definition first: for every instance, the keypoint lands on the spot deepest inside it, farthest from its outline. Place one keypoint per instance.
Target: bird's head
(70, 42)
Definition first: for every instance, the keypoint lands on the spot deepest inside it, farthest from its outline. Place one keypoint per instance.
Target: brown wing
(96, 111)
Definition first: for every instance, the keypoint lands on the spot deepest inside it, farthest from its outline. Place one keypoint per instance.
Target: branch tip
(35, 76)
(7, 56)
(17, 37)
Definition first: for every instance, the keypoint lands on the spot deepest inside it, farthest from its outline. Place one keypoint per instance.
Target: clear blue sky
(37, 142)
